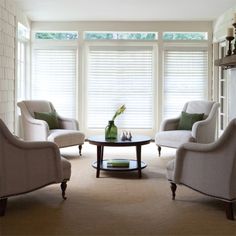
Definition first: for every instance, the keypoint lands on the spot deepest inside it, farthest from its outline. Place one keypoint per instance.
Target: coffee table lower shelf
(132, 165)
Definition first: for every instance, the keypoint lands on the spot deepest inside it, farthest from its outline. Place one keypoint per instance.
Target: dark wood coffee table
(101, 142)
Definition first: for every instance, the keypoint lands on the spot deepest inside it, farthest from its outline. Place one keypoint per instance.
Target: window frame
(54, 45)
(185, 45)
(117, 43)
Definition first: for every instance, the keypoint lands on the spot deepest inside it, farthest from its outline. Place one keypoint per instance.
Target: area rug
(116, 203)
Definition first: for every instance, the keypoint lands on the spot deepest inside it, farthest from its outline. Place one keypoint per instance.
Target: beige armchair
(208, 168)
(28, 166)
(202, 131)
(38, 130)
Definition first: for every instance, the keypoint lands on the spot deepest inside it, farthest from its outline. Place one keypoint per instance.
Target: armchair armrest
(34, 129)
(67, 123)
(204, 131)
(170, 124)
(29, 165)
(205, 167)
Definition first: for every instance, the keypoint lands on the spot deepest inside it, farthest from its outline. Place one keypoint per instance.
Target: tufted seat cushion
(173, 138)
(66, 138)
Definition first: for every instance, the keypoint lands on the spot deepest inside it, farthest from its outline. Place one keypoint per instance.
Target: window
(56, 35)
(120, 36)
(185, 36)
(120, 75)
(185, 78)
(54, 78)
(22, 62)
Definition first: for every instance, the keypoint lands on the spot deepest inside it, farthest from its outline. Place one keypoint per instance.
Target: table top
(136, 140)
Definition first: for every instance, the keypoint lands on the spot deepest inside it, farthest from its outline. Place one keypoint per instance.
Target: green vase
(111, 130)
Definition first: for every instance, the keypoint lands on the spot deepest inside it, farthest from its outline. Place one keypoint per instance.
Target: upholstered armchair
(208, 168)
(28, 166)
(67, 135)
(202, 131)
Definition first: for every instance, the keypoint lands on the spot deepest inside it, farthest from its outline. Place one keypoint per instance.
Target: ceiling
(122, 10)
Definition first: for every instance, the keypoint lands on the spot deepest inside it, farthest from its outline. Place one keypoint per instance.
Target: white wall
(222, 23)
(8, 24)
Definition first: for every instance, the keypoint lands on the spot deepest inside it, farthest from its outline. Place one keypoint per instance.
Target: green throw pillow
(187, 120)
(49, 117)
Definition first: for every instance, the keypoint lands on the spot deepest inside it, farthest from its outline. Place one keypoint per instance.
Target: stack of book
(118, 163)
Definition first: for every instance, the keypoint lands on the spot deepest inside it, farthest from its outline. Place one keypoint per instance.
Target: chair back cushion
(38, 106)
(199, 107)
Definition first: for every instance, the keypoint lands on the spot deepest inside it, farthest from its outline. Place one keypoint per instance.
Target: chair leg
(3, 206)
(159, 150)
(173, 188)
(80, 149)
(229, 210)
(63, 189)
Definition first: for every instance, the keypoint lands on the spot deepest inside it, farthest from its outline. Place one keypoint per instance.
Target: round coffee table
(101, 142)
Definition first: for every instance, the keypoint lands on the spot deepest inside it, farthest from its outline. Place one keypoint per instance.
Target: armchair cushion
(66, 138)
(187, 120)
(50, 117)
(174, 138)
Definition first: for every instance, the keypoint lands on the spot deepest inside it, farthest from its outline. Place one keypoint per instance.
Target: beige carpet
(116, 204)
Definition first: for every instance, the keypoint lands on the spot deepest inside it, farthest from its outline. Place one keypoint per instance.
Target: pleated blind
(116, 76)
(185, 79)
(54, 78)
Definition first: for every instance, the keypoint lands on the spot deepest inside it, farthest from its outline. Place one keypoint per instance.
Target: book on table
(118, 163)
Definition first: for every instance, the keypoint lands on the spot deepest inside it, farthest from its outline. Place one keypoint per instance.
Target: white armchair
(202, 131)
(38, 130)
(28, 166)
(208, 168)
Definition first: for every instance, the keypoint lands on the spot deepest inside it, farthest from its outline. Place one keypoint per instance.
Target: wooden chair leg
(229, 210)
(173, 188)
(63, 189)
(3, 206)
(159, 150)
(80, 149)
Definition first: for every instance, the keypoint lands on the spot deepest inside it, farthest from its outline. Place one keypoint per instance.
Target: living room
(151, 59)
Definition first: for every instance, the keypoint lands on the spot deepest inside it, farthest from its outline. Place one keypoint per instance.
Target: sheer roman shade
(116, 76)
(54, 78)
(185, 78)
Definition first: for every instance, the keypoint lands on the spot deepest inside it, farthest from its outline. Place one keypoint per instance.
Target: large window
(22, 61)
(120, 75)
(185, 78)
(54, 78)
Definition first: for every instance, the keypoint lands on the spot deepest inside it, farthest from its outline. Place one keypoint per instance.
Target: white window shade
(185, 79)
(54, 78)
(116, 76)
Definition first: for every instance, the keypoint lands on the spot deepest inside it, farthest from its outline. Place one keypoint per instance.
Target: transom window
(185, 36)
(56, 35)
(120, 36)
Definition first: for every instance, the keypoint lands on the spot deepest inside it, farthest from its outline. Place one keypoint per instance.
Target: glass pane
(222, 105)
(56, 35)
(222, 88)
(222, 122)
(121, 36)
(185, 36)
(23, 32)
